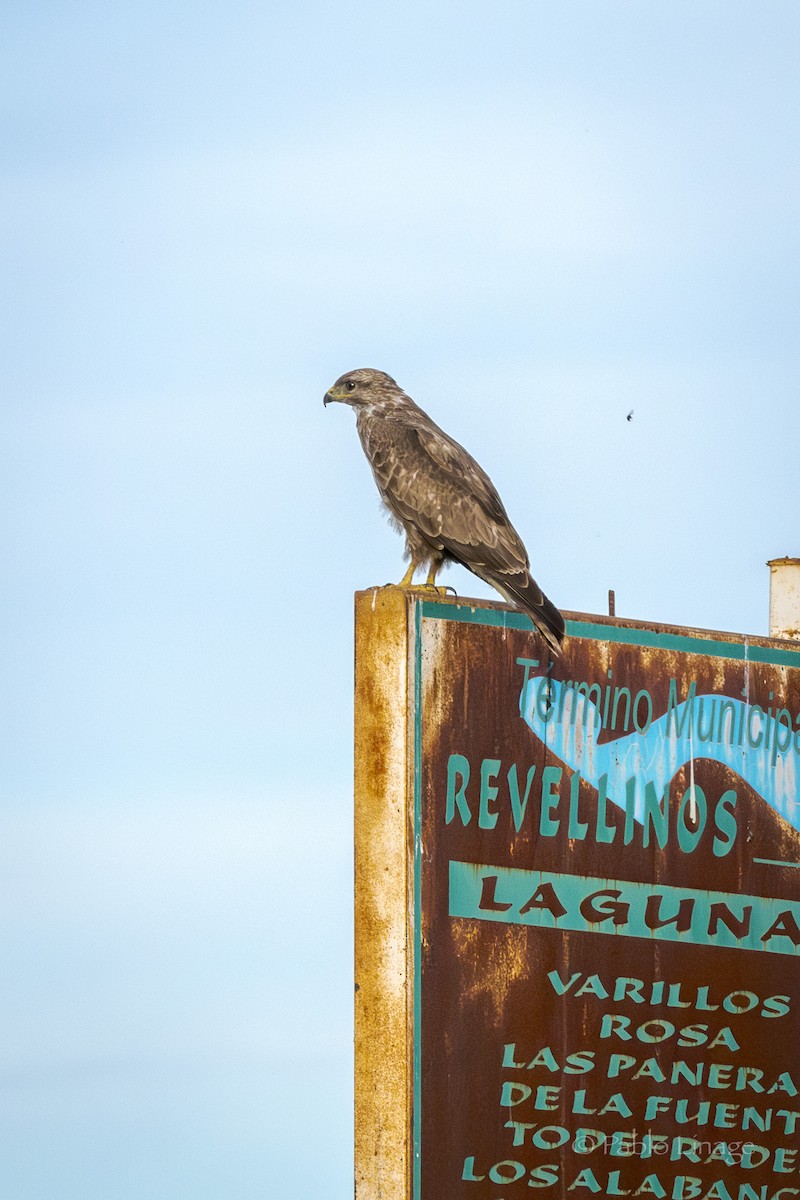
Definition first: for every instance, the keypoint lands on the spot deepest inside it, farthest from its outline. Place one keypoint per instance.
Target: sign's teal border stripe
(476, 616)
(499, 618)
(417, 964)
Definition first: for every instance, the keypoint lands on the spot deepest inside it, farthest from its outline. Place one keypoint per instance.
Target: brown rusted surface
(500, 1104)
(382, 963)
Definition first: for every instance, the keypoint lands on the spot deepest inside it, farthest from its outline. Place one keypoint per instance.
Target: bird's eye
(351, 387)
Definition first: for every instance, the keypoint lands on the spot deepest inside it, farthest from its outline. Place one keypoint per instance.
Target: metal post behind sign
(577, 908)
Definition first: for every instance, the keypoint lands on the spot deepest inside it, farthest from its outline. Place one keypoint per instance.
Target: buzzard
(436, 493)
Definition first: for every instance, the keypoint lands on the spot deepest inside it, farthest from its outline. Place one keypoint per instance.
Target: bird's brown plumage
(442, 499)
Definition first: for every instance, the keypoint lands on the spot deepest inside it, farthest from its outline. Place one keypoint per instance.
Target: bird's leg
(430, 582)
(433, 571)
(405, 582)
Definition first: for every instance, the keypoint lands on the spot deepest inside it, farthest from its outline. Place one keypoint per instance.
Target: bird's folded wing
(457, 464)
(431, 482)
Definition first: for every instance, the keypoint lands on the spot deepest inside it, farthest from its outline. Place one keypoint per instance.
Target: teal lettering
(559, 985)
(618, 1063)
(616, 1104)
(626, 986)
(781, 745)
(651, 1184)
(469, 1171)
(725, 822)
(614, 1023)
(602, 831)
(717, 1191)
(656, 814)
(655, 1031)
(544, 1176)
(784, 1083)
(579, 1062)
(705, 734)
(630, 809)
(645, 725)
(545, 1058)
(586, 1179)
(520, 1129)
(592, 986)
(551, 778)
(775, 1006)
(753, 1156)
(457, 780)
(519, 804)
(514, 1093)
(509, 1050)
(576, 829)
(547, 1097)
(529, 665)
(755, 737)
(489, 769)
(506, 1171)
(586, 690)
(550, 1137)
(687, 1187)
(723, 1038)
(785, 1161)
(619, 692)
(673, 704)
(545, 707)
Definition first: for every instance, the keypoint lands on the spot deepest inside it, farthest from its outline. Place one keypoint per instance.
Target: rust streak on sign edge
(383, 894)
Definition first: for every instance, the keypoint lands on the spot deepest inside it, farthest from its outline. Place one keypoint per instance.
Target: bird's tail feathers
(524, 592)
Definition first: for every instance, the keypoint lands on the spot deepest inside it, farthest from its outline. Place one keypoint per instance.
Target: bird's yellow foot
(429, 588)
(430, 585)
(435, 588)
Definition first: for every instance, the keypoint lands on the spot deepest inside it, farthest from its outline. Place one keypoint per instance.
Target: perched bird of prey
(435, 492)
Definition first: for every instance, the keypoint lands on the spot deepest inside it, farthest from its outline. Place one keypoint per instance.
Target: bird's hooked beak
(335, 396)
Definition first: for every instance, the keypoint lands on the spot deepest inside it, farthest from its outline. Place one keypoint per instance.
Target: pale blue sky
(536, 216)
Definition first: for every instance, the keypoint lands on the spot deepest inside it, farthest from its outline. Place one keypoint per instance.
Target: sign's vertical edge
(382, 952)
(415, 810)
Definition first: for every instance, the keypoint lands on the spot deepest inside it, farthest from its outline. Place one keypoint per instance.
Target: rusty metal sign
(597, 939)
